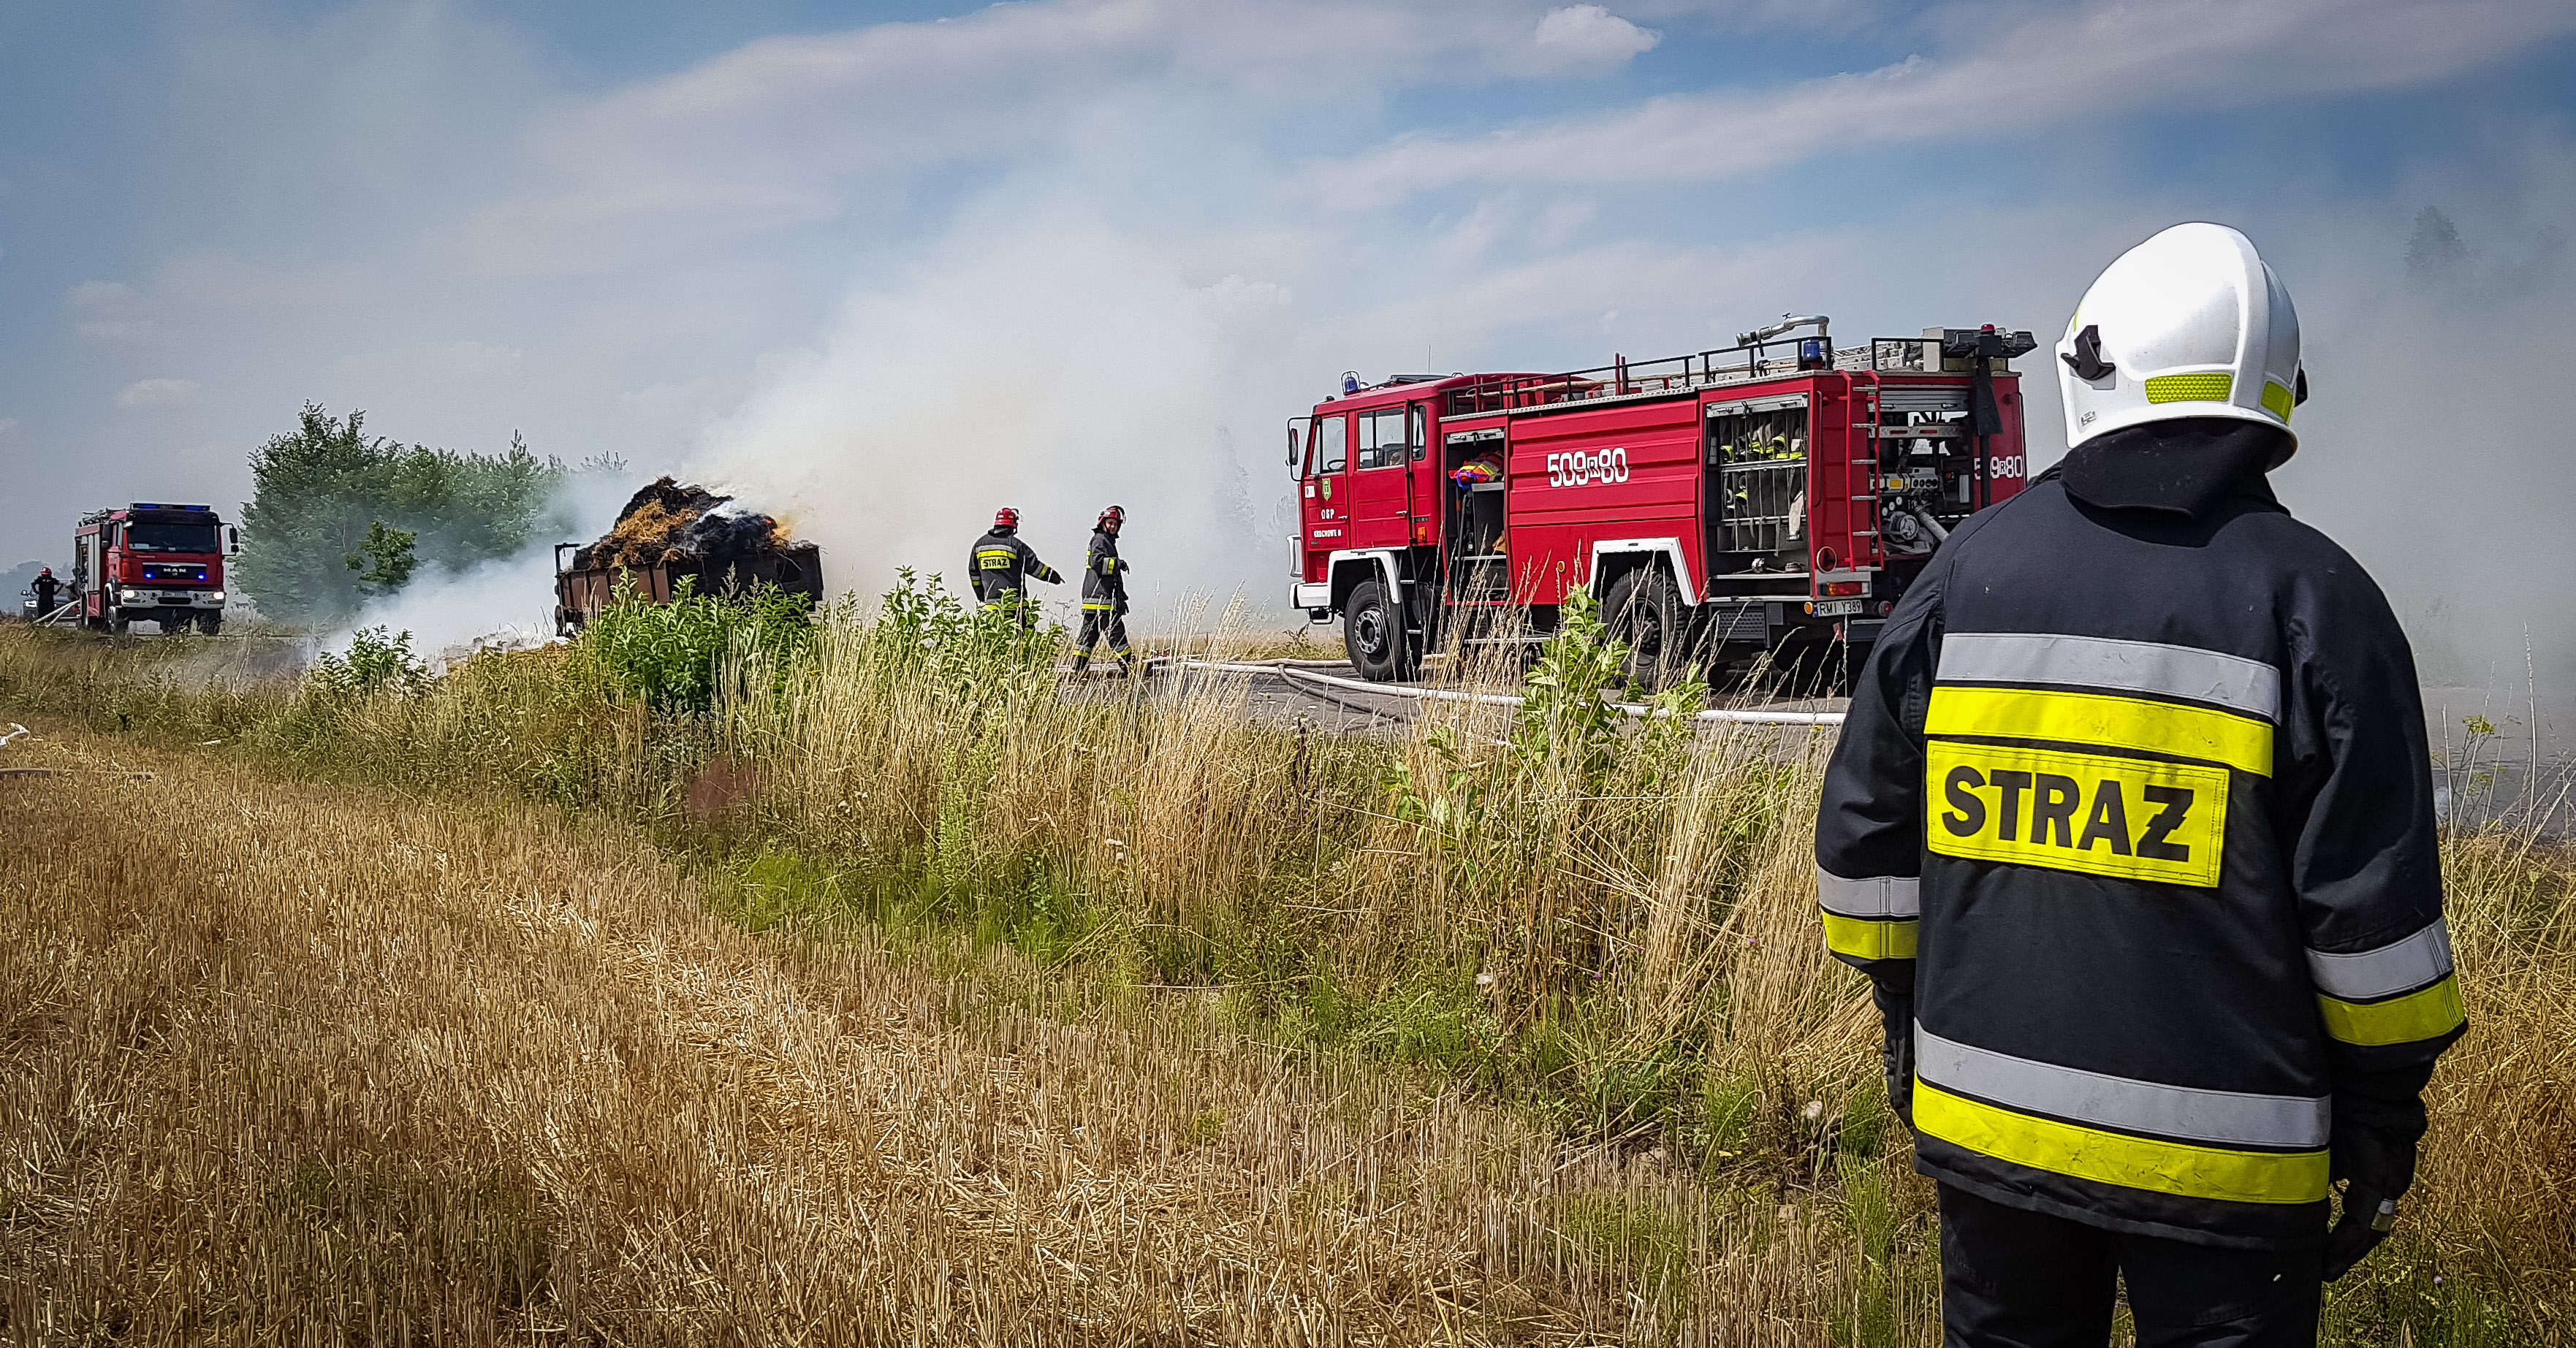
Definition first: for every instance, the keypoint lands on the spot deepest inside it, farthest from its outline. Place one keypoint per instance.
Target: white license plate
(1837, 608)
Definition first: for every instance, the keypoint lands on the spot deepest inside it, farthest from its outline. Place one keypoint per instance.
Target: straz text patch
(2121, 817)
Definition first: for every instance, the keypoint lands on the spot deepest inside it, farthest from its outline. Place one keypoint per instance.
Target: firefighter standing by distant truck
(49, 592)
(2143, 869)
(1001, 565)
(1104, 593)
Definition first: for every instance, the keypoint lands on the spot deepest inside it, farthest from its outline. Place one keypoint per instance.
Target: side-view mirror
(232, 540)
(1293, 446)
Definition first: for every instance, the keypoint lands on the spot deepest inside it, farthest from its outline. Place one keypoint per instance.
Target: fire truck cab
(1773, 496)
(147, 560)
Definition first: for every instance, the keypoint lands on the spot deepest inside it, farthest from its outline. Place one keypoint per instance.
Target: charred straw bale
(668, 520)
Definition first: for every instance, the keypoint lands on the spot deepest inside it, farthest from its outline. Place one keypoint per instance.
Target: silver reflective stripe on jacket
(1881, 897)
(2150, 667)
(2232, 1117)
(2399, 966)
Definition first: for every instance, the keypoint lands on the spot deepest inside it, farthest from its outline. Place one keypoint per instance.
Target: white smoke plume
(508, 602)
(1043, 361)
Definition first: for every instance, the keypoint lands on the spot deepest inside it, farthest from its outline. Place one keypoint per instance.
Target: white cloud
(792, 131)
(107, 311)
(2060, 68)
(1233, 296)
(1590, 37)
(150, 394)
(477, 359)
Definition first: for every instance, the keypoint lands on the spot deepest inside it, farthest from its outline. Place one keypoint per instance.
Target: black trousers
(1097, 624)
(2016, 1279)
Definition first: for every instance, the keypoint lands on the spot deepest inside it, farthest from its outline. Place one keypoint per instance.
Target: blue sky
(887, 266)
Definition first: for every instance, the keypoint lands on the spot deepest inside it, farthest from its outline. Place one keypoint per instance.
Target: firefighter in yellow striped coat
(2132, 828)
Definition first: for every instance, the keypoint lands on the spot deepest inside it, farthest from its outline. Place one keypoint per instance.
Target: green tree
(392, 556)
(337, 517)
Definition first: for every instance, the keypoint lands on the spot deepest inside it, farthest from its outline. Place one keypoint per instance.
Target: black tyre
(1645, 612)
(1373, 633)
(210, 623)
(1813, 666)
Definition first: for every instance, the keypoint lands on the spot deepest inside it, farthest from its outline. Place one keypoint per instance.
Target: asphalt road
(2498, 755)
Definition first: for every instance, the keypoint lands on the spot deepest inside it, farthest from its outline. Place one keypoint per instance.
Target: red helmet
(1006, 518)
(1113, 515)
(44, 571)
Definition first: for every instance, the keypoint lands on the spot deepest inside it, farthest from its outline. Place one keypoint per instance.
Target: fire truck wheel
(210, 623)
(1811, 665)
(1646, 614)
(1373, 632)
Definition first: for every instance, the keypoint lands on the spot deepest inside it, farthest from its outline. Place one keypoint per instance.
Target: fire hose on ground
(1295, 674)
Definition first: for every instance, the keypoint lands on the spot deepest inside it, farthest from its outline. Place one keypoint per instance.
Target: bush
(375, 663)
(674, 656)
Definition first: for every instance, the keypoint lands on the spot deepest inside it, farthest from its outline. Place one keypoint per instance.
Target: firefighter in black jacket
(48, 592)
(1104, 593)
(1002, 565)
(2131, 826)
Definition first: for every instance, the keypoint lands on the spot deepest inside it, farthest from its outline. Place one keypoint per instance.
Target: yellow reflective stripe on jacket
(2240, 742)
(1862, 938)
(2423, 1014)
(2176, 1168)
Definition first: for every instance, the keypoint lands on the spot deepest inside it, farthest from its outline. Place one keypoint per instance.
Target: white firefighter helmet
(2190, 323)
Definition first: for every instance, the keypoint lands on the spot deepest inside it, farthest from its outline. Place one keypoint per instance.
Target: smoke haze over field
(880, 273)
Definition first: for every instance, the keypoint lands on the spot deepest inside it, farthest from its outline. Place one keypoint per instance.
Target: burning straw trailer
(580, 593)
(669, 534)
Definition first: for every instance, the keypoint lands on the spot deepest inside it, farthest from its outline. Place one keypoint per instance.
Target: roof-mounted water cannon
(1814, 353)
(1962, 348)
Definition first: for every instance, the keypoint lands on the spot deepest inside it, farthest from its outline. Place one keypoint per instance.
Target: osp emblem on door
(1576, 469)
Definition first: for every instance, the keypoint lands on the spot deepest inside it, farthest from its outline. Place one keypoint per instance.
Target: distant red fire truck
(159, 563)
(1777, 495)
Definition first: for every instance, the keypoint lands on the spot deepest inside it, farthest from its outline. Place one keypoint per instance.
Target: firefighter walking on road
(2131, 826)
(1003, 565)
(1104, 593)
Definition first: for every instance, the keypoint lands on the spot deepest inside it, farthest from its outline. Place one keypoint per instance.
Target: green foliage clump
(674, 656)
(375, 663)
(1565, 720)
(337, 517)
(385, 560)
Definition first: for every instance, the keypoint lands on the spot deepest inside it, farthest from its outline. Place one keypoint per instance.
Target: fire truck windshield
(171, 538)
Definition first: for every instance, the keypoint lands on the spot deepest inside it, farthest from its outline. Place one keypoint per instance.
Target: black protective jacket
(2132, 826)
(1104, 575)
(1002, 565)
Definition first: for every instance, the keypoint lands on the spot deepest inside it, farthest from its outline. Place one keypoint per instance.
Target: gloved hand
(2378, 1165)
(1895, 999)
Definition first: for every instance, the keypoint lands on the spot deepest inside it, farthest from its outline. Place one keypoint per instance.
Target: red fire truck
(1776, 495)
(161, 563)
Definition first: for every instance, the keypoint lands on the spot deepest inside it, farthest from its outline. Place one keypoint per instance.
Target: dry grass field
(291, 1063)
(881, 994)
